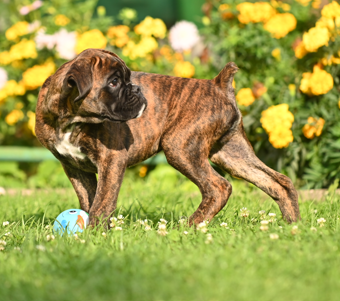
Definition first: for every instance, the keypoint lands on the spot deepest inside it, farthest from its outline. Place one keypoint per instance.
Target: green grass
(241, 263)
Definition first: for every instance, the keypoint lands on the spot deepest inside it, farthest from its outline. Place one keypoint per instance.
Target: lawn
(235, 262)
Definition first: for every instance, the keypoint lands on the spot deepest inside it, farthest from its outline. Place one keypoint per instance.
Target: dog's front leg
(110, 176)
(85, 185)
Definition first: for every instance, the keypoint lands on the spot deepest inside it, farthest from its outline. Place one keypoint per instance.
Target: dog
(96, 116)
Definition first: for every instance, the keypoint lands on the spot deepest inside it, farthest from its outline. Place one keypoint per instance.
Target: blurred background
(287, 87)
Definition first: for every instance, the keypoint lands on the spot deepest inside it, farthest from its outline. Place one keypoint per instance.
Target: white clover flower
(264, 228)
(209, 239)
(264, 222)
(272, 217)
(5, 223)
(321, 221)
(224, 225)
(120, 216)
(82, 241)
(2, 248)
(104, 234)
(162, 232)
(47, 226)
(50, 237)
(75, 236)
(262, 212)
(120, 222)
(295, 230)
(273, 236)
(313, 229)
(162, 227)
(182, 220)
(40, 248)
(3, 80)
(113, 219)
(244, 212)
(202, 226)
(163, 221)
(118, 228)
(2, 242)
(315, 211)
(185, 232)
(7, 233)
(183, 36)
(147, 228)
(272, 214)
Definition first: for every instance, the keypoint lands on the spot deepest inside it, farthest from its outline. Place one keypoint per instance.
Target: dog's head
(93, 88)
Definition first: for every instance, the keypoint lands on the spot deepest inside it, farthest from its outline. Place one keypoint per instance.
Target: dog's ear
(225, 78)
(79, 75)
(126, 70)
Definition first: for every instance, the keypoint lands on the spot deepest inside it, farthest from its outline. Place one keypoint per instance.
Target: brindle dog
(87, 117)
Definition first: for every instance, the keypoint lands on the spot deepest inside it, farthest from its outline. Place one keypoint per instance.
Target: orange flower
(313, 127)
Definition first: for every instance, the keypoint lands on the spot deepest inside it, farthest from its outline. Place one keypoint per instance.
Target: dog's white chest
(66, 148)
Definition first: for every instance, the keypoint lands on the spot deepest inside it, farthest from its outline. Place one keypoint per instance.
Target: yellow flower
(150, 26)
(12, 88)
(339, 103)
(223, 7)
(90, 39)
(255, 12)
(320, 82)
(118, 34)
(17, 30)
(317, 83)
(184, 69)
(31, 121)
(292, 89)
(316, 4)
(331, 10)
(61, 20)
(34, 77)
(275, 116)
(313, 127)
(276, 53)
(280, 25)
(315, 38)
(277, 122)
(13, 117)
(166, 52)
(146, 45)
(25, 49)
(245, 97)
(280, 137)
(300, 50)
(303, 2)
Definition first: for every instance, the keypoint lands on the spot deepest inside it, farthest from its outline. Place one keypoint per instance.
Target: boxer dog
(96, 116)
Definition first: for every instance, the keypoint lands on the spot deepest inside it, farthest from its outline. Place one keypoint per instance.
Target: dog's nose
(135, 89)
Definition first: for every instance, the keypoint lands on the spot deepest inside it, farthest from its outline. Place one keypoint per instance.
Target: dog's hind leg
(236, 156)
(194, 165)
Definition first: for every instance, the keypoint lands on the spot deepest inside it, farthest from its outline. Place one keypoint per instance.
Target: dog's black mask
(98, 87)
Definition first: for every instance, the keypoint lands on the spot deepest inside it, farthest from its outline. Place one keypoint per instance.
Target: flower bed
(287, 87)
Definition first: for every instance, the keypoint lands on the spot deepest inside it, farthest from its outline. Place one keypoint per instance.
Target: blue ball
(73, 220)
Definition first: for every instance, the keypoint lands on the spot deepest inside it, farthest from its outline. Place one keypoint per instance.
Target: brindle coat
(191, 120)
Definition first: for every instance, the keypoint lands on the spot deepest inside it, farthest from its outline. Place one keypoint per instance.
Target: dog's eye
(114, 82)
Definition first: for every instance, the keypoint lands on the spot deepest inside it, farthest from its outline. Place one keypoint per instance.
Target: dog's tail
(225, 78)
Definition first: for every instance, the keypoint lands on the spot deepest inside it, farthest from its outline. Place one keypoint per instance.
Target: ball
(72, 220)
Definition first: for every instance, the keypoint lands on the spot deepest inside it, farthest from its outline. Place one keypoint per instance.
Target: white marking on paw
(66, 148)
(141, 111)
